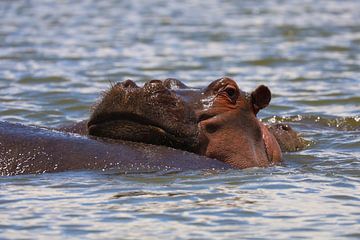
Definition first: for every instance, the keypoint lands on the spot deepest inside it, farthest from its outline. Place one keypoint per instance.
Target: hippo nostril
(284, 127)
(211, 128)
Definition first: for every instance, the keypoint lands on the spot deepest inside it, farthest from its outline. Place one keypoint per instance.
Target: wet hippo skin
(25, 150)
(229, 129)
(231, 135)
(218, 122)
(170, 122)
(114, 116)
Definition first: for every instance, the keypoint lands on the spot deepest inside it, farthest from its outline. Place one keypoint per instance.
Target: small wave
(341, 123)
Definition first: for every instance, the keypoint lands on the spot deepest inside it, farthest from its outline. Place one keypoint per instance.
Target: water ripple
(56, 57)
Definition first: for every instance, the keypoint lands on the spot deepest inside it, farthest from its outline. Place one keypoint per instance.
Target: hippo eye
(231, 93)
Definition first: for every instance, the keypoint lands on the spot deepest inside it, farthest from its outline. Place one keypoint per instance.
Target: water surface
(56, 57)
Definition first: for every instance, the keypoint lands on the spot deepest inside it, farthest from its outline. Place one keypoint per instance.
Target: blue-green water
(57, 56)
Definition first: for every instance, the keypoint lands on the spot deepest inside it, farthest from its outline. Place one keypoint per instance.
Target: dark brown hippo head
(219, 121)
(229, 129)
(288, 139)
(155, 113)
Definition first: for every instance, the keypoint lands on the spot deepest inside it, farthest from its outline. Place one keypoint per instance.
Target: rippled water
(57, 56)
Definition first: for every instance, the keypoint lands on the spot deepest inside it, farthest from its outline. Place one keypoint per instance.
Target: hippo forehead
(178, 93)
(221, 83)
(212, 91)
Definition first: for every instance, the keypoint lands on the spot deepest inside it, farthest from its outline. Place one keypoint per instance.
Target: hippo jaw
(136, 128)
(152, 114)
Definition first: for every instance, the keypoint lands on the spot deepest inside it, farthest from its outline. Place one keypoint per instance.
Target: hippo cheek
(145, 133)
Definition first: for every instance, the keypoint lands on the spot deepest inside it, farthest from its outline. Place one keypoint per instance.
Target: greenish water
(57, 56)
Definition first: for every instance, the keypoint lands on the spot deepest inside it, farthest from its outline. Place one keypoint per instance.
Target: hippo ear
(260, 98)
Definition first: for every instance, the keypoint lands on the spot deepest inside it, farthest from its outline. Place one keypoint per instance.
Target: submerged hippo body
(25, 150)
(218, 122)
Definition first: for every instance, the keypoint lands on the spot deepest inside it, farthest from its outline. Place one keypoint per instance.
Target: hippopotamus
(162, 125)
